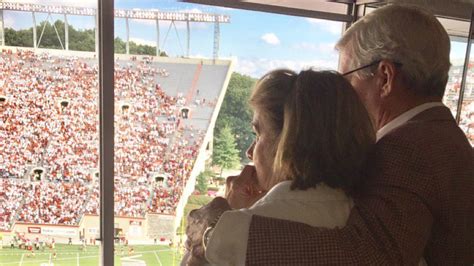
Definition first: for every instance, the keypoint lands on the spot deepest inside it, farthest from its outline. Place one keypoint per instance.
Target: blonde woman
(312, 138)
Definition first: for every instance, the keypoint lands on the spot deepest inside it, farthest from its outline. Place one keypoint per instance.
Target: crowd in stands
(179, 165)
(11, 193)
(49, 119)
(452, 96)
(53, 203)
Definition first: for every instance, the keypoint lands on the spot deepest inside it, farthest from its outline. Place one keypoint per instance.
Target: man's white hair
(406, 35)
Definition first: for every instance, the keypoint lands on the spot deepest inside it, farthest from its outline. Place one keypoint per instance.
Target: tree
(50, 38)
(142, 49)
(235, 112)
(225, 154)
(79, 40)
(119, 46)
(201, 183)
(22, 38)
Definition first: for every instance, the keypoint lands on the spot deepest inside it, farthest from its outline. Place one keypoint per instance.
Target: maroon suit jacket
(417, 200)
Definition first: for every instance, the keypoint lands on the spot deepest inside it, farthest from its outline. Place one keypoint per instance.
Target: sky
(257, 41)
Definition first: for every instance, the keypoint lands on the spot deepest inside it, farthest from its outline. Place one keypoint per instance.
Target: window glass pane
(49, 138)
(451, 95)
(166, 121)
(467, 111)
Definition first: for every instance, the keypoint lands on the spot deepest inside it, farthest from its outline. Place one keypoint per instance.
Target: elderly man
(418, 198)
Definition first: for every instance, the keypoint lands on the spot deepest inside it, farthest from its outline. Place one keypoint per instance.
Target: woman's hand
(243, 190)
(198, 221)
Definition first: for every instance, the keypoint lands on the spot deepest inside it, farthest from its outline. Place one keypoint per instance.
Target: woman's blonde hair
(322, 131)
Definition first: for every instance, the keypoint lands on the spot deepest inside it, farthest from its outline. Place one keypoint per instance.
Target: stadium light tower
(216, 19)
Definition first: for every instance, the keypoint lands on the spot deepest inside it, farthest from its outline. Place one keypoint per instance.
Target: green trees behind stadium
(79, 39)
(225, 153)
(236, 114)
(202, 180)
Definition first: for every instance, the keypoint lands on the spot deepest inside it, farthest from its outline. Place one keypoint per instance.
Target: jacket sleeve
(390, 223)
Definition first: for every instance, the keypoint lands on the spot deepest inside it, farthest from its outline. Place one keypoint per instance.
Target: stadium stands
(49, 134)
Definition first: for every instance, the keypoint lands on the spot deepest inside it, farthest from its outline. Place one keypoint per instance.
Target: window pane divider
(105, 18)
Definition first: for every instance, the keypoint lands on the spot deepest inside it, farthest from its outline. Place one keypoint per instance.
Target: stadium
(163, 123)
(165, 114)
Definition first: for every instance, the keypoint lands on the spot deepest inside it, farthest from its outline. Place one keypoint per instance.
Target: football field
(73, 255)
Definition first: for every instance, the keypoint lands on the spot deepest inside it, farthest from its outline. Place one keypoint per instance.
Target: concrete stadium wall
(134, 229)
(60, 233)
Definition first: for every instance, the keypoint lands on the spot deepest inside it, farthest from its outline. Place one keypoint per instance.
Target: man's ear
(386, 72)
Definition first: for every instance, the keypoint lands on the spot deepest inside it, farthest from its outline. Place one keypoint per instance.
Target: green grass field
(72, 255)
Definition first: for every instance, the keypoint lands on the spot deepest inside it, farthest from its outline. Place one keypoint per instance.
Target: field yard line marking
(77, 256)
(158, 259)
(134, 257)
(49, 259)
(163, 250)
(39, 261)
(83, 257)
(21, 261)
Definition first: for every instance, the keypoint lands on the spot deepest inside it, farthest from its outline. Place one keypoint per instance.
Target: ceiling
(455, 15)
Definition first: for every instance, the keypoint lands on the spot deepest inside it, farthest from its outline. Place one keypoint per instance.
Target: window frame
(465, 69)
(105, 33)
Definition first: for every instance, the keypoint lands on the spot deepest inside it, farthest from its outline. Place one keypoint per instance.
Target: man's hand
(198, 221)
(243, 190)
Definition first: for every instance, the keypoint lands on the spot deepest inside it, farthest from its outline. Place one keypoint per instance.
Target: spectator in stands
(304, 185)
(418, 197)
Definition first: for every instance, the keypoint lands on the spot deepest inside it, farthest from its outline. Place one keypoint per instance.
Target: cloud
(332, 27)
(321, 48)
(270, 38)
(256, 67)
(8, 22)
(143, 41)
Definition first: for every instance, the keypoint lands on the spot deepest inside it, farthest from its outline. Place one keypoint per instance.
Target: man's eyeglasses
(368, 65)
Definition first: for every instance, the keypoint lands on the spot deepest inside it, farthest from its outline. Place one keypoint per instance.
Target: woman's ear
(386, 73)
